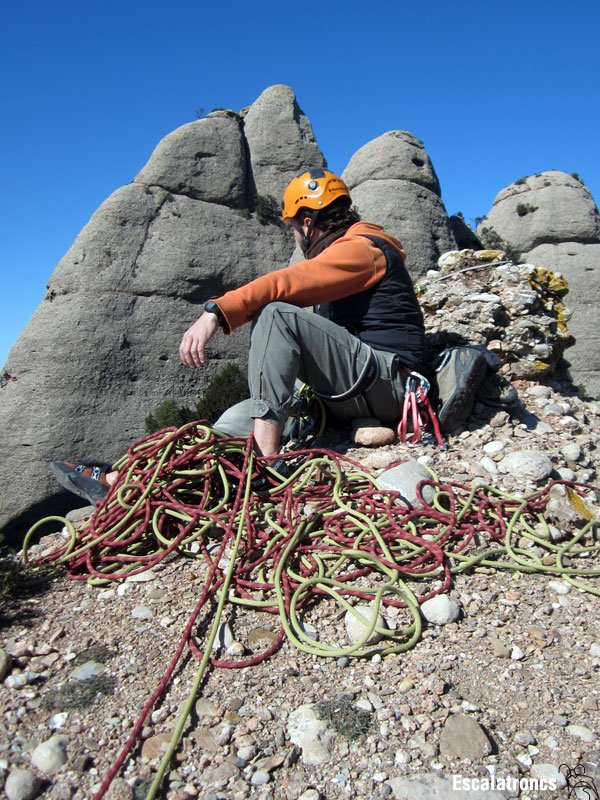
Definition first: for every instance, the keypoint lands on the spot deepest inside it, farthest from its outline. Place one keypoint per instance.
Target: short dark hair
(339, 214)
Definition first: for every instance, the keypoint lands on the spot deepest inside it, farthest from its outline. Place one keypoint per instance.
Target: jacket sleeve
(344, 268)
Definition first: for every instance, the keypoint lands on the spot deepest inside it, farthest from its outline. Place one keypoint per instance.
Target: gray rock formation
(280, 140)
(551, 219)
(393, 183)
(100, 352)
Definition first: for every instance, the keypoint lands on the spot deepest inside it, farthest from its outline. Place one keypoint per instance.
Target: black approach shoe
(459, 373)
(87, 482)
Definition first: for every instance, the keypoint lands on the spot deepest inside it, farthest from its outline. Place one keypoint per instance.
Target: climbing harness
(327, 533)
(418, 413)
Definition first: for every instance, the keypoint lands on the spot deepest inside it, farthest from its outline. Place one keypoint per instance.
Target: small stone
(441, 610)
(156, 746)
(22, 784)
(86, 671)
(463, 737)
(516, 653)
(260, 777)
(567, 474)
(142, 577)
(529, 464)
(548, 772)
(559, 720)
(310, 734)
(51, 755)
(491, 448)
(358, 630)
(5, 663)
(595, 650)
(524, 737)
(371, 433)
(343, 661)
(580, 732)
(560, 587)
(571, 451)
(206, 708)
(404, 479)
(58, 721)
(224, 637)
(142, 613)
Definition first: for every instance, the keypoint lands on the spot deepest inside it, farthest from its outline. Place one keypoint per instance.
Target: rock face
(100, 352)
(551, 219)
(393, 183)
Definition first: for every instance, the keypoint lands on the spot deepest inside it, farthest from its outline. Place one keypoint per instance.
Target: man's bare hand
(195, 339)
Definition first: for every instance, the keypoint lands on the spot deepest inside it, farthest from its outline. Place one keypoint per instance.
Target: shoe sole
(459, 405)
(63, 476)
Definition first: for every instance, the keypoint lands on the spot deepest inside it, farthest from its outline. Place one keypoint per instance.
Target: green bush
(525, 208)
(267, 209)
(491, 238)
(227, 387)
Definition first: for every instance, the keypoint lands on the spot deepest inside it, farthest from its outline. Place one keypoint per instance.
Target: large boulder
(393, 183)
(551, 220)
(414, 214)
(280, 141)
(549, 207)
(100, 352)
(580, 263)
(396, 155)
(204, 160)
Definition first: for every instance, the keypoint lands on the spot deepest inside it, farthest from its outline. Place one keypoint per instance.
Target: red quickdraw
(417, 412)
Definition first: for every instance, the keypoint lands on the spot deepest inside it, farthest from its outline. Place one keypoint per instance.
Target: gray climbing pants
(288, 344)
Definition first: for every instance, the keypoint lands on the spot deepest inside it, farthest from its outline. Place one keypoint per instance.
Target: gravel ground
(517, 674)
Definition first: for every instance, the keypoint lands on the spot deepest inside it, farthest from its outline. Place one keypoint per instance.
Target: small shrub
(520, 181)
(341, 715)
(491, 238)
(167, 415)
(267, 209)
(525, 208)
(229, 386)
(78, 694)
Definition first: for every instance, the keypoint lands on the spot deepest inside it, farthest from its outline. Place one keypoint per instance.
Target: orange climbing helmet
(315, 189)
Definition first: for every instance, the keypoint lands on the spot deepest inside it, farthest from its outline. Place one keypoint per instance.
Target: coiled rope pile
(327, 532)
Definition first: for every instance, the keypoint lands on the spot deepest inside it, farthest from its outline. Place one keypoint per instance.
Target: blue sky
(496, 91)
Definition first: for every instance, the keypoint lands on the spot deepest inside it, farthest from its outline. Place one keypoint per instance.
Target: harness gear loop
(417, 412)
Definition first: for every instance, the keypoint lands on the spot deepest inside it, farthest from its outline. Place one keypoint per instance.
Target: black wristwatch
(213, 308)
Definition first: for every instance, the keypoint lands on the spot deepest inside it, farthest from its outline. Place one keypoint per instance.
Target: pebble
(491, 448)
(463, 737)
(441, 610)
(260, 777)
(90, 669)
(516, 653)
(581, 732)
(548, 772)
(5, 663)
(371, 433)
(357, 630)
(310, 734)
(571, 451)
(51, 755)
(595, 650)
(22, 784)
(435, 786)
(529, 464)
(58, 721)
(142, 612)
(404, 478)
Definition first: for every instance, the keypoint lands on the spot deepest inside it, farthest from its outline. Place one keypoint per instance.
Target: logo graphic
(578, 780)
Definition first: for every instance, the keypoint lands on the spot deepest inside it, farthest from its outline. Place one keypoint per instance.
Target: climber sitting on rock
(355, 352)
